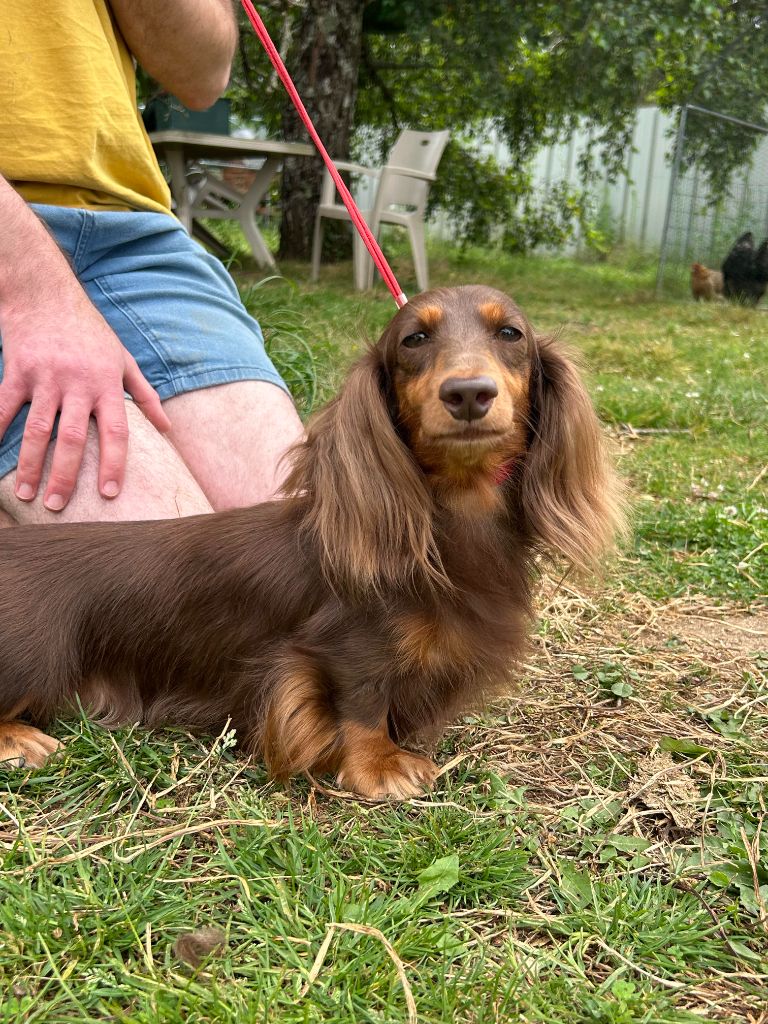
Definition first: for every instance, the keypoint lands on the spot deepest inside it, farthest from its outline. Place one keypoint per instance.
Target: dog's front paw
(387, 775)
(23, 746)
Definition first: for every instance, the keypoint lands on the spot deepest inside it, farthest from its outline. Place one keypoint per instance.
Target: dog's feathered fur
(388, 590)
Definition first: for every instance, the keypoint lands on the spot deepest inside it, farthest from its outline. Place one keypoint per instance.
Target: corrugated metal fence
(635, 202)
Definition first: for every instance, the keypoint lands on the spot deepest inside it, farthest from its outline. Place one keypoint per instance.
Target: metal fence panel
(702, 226)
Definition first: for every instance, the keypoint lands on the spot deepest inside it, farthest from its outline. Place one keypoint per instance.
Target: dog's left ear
(570, 498)
(368, 508)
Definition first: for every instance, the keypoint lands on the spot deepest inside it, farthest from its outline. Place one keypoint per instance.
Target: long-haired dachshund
(390, 589)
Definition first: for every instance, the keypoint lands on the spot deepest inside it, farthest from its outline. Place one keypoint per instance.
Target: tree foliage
(530, 72)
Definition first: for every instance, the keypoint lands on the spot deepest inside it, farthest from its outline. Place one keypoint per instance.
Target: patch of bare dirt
(740, 634)
(685, 662)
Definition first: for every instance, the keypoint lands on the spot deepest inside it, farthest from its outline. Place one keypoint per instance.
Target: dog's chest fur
(476, 630)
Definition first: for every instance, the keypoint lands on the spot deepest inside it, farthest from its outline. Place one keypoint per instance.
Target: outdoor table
(213, 197)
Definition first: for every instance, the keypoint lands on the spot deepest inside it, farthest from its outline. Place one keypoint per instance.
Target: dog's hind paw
(23, 746)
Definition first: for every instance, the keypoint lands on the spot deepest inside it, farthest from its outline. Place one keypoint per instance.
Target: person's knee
(234, 438)
(158, 484)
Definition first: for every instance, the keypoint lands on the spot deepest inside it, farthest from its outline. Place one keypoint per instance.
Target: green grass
(596, 850)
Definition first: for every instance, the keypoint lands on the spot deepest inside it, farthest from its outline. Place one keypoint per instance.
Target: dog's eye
(510, 333)
(415, 340)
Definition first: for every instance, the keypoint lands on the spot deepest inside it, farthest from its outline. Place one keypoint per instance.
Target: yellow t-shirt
(70, 131)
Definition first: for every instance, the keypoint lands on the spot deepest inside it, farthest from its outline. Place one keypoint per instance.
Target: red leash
(357, 218)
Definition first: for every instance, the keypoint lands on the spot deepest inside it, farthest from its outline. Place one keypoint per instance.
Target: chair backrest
(418, 151)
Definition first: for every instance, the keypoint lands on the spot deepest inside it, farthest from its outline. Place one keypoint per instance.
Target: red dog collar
(504, 472)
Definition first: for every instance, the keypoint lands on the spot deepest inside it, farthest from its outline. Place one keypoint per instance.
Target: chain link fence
(701, 223)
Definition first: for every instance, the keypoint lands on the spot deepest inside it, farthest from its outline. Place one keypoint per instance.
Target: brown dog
(389, 590)
(705, 283)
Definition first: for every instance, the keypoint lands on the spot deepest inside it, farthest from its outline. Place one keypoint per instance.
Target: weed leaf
(440, 876)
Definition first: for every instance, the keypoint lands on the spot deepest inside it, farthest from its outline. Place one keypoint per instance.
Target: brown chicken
(705, 283)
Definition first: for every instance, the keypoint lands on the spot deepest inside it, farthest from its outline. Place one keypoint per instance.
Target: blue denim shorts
(172, 304)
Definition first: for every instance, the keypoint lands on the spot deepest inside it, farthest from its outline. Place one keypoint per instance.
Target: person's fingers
(144, 395)
(67, 455)
(11, 400)
(34, 443)
(113, 444)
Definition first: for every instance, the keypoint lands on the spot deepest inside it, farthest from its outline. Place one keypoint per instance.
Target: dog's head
(459, 405)
(457, 364)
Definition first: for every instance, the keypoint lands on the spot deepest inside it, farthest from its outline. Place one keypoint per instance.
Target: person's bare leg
(6, 520)
(233, 437)
(158, 485)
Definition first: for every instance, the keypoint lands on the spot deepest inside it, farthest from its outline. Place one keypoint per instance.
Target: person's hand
(60, 355)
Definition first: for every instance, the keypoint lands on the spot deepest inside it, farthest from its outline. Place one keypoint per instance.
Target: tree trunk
(324, 63)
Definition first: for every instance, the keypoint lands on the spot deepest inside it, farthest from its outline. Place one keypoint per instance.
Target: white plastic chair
(401, 198)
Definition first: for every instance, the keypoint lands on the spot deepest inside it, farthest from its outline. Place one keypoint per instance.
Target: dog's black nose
(468, 398)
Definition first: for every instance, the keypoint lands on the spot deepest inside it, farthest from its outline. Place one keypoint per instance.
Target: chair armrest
(345, 165)
(410, 172)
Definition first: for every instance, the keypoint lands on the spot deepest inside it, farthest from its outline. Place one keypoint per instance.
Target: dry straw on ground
(685, 658)
(569, 743)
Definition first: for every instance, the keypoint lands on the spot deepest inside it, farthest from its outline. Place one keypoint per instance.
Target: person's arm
(187, 45)
(62, 356)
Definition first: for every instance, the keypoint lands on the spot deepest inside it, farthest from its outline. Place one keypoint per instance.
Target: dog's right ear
(368, 508)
